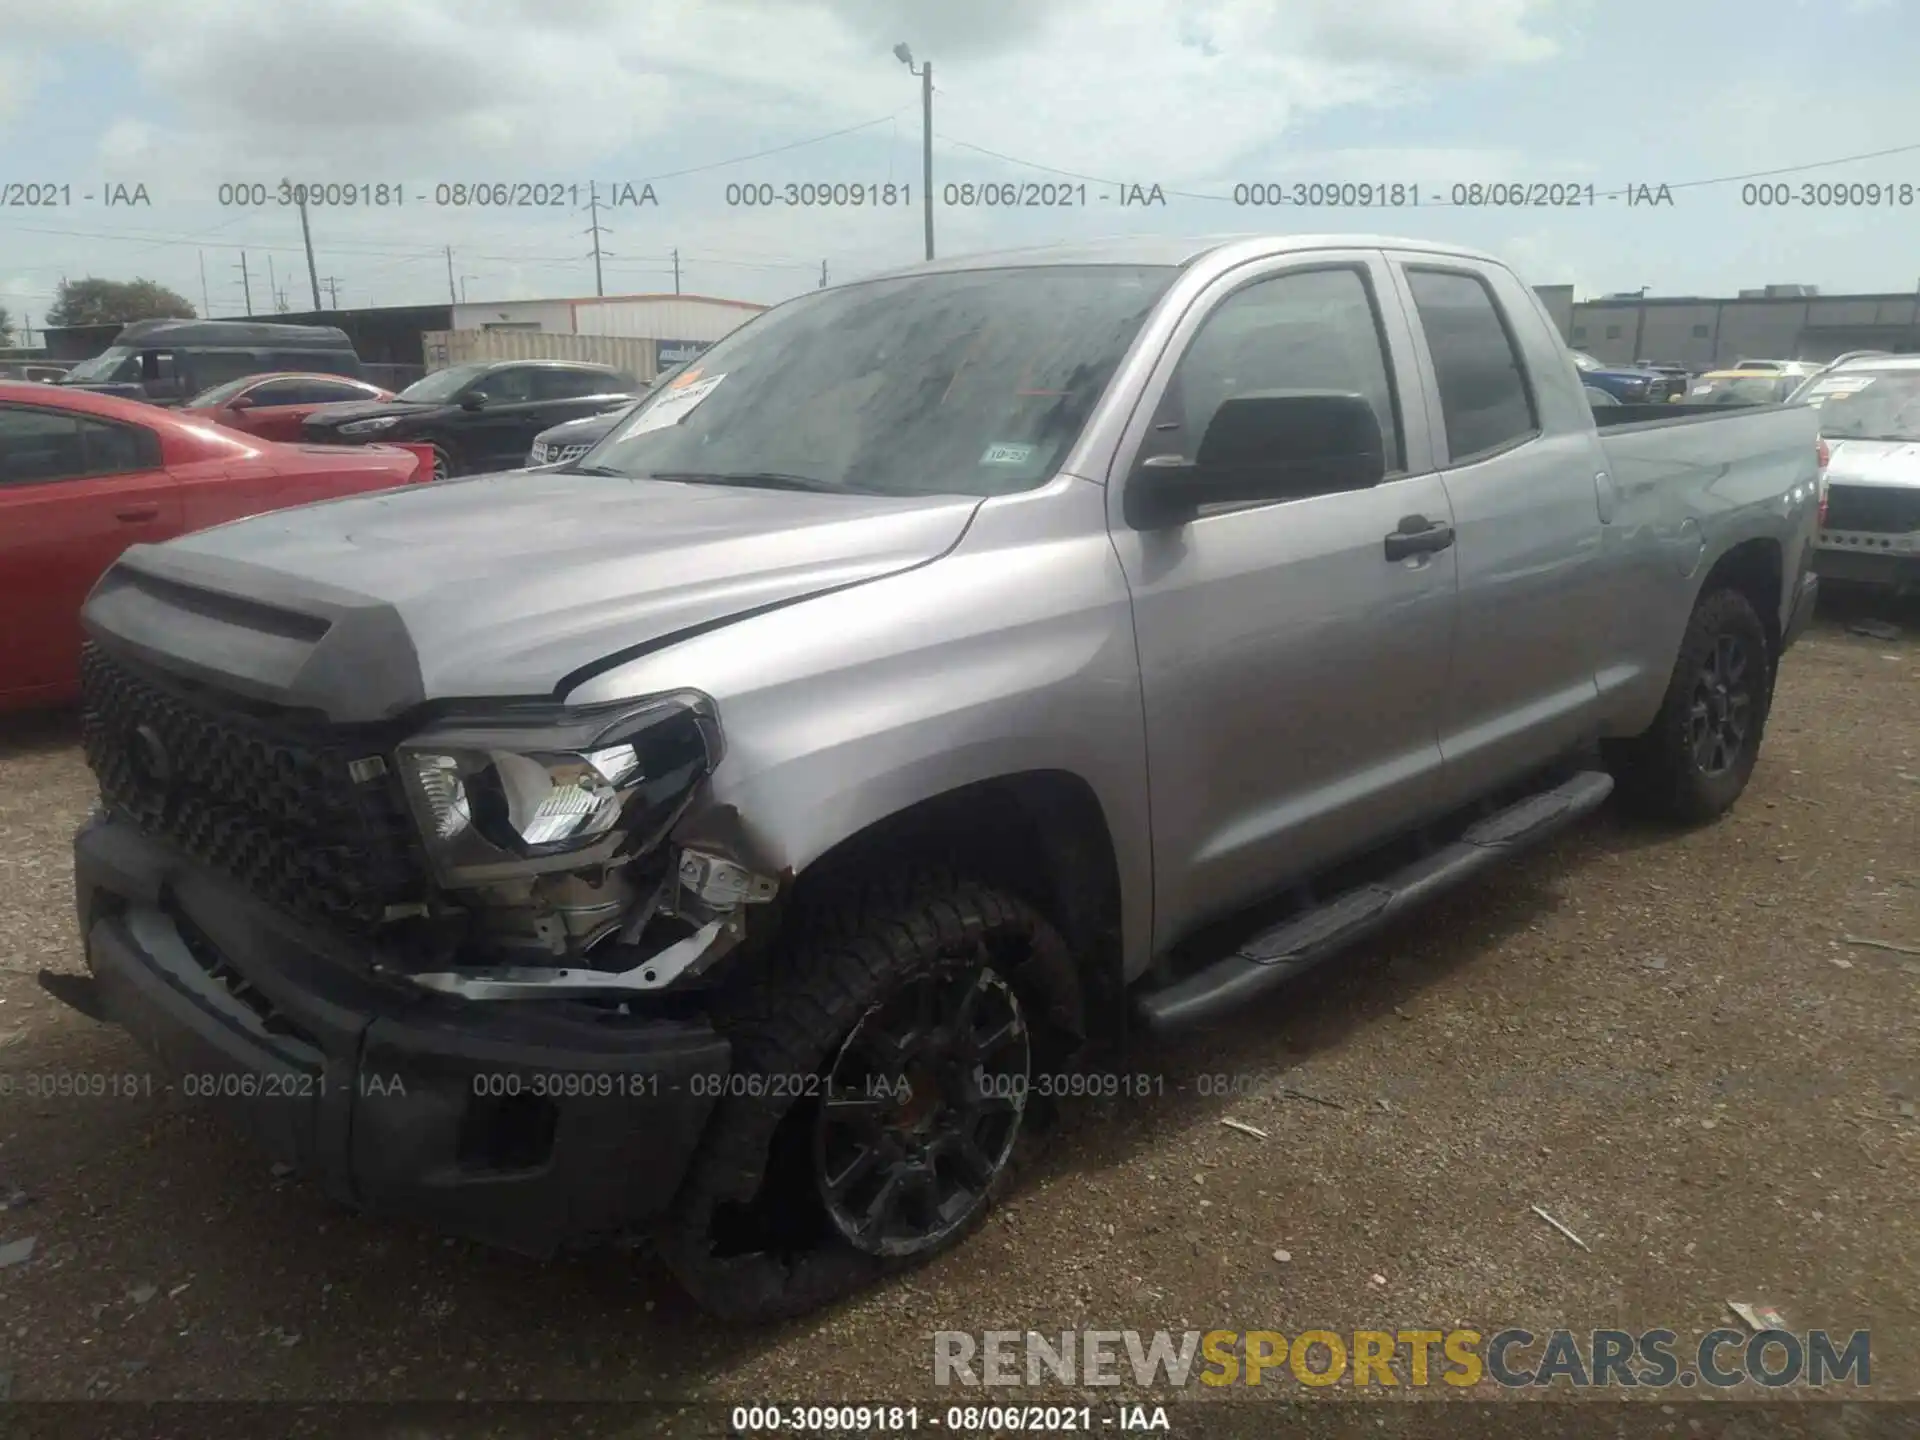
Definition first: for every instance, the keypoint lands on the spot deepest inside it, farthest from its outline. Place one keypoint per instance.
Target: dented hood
(496, 586)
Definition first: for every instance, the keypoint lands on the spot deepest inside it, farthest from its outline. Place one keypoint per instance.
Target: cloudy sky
(695, 96)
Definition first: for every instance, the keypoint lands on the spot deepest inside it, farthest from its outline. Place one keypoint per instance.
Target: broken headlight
(519, 797)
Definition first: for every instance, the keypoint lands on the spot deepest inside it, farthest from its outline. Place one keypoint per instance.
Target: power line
(593, 205)
(1672, 185)
(775, 150)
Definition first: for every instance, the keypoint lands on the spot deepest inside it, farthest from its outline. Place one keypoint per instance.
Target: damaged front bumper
(531, 1125)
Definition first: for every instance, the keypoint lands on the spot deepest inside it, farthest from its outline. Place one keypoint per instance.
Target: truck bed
(1687, 479)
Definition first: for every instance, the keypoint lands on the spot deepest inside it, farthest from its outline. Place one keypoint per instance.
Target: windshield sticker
(672, 407)
(1841, 385)
(1006, 454)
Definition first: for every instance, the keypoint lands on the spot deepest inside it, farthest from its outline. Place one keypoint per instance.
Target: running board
(1275, 956)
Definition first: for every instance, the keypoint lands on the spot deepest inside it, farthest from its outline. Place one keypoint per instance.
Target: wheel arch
(1755, 567)
(1041, 835)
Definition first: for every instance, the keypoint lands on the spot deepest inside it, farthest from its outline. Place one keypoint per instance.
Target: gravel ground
(1665, 1041)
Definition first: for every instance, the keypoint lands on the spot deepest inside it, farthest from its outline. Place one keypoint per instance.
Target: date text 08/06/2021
(569, 1084)
(897, 1419)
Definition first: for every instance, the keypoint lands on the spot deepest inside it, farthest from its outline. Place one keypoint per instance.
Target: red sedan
(84, 476)
(273, 405)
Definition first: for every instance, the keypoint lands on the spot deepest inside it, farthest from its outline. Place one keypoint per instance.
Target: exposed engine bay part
(722, 883)
(532, 982)
(564, 916)
(557, 915)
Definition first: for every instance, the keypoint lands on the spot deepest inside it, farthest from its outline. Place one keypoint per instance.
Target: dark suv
(477, 417)
(166, 361)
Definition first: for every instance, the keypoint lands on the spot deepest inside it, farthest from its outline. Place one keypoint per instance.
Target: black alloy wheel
(1722, 707)
(922, 1109)
(1696, 757)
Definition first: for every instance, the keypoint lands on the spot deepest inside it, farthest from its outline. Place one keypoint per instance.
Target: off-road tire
(1657, 774)
(789, 1018)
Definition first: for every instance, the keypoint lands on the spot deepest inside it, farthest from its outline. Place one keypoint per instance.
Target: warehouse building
(392, 339)
(692, 319)
(1777, 322)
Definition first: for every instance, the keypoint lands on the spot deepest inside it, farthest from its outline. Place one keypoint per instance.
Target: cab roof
(1175, 251)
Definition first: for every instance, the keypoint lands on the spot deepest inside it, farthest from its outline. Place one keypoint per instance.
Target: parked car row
(478, 417)
(1629, 384)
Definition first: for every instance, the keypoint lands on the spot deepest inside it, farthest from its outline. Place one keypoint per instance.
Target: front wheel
(1695, 759)
(443, 464)
(878, 1098)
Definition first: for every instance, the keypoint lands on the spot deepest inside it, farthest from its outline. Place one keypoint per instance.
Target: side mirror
(242, 402)
(1282, 446)
(474, 400)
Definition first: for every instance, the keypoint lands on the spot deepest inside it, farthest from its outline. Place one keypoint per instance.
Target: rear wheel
(878, 1100)
(1697, 756)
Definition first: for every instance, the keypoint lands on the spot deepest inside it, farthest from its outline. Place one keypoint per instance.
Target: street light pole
(925, 71)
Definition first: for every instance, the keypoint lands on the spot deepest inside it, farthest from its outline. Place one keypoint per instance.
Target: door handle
(1418, 535)
(135, 514)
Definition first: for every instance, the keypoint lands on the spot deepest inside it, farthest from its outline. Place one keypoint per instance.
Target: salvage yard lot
(1666, 1041)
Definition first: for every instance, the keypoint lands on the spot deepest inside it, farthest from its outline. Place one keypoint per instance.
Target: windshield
(443, 385)
(220, 394)
(1868, 404)
(1584, 361)
(969, 383)
(102, 366)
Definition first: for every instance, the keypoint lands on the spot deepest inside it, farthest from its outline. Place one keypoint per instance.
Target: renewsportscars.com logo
(1513, 1358)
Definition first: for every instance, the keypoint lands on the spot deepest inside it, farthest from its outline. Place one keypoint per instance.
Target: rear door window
(42, 445)
(510, 386)
(38, 445)
(1485, 398)
(573, 384)
(279, 392)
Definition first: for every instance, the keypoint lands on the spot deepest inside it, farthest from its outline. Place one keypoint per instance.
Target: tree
(6, 326)
(108, 302)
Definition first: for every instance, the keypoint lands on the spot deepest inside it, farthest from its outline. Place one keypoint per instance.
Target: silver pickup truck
(729, 836)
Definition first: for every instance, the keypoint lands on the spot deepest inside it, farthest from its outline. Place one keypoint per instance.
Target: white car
(1869, 529)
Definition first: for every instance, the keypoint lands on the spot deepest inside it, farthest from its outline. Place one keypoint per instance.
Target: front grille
(556, 454)
(1882, 509)
(264, 801)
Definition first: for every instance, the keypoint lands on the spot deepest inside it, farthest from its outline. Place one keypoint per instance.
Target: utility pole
(453, 297)
(246, 285)
(925, 71)
(593, 207)
(823, 275)
(206, 305)
(273, 285)
(306, 235)
(332, 282)
(676, 271)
